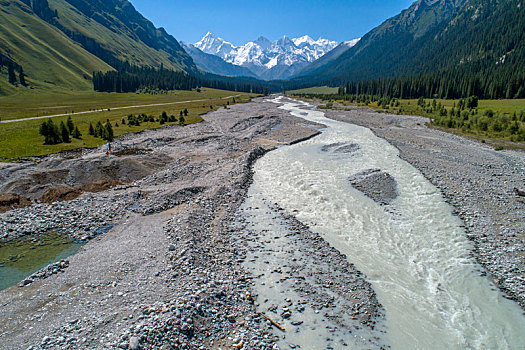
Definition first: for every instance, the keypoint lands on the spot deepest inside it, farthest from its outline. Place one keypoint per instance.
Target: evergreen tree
(11, 73)
(181, 121)
(49, 130)
(472, 102)
(64, 133)
(91, 130)
(76, 133)
(99, 130)
(70, 125)
(22, 77)
(108, 132)
(185, 112)
(163, 118)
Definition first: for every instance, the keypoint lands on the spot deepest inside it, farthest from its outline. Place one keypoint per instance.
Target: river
(413, 250)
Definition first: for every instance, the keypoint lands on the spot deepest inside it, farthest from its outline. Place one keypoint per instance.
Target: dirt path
(113, 109)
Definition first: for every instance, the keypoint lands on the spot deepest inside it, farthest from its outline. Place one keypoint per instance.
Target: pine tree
(91, 130)
(22, 77)
(11, 73)
(44, 131)
(64, 133)
(108, 132)
(50, 132)
(181, 121)
(70, 125)
(99, 130)
(185, 112)
(76, 133)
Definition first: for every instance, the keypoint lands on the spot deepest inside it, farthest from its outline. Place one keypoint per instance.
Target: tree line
(62, 133)
(452, 84)
(130, 78)
(12, 69)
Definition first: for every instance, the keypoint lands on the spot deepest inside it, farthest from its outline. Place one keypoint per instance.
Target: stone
(134, 343)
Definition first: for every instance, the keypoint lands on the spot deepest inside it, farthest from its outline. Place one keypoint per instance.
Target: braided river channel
(411, 247)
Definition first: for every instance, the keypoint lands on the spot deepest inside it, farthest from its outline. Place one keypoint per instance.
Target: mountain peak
(285, 41)
(262, 39)
(305, 39)
(351, 43)
(263, 42)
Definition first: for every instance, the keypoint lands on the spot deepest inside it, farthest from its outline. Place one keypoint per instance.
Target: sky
(242, 21)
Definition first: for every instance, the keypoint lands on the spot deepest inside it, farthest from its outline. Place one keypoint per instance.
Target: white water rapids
(413, 251)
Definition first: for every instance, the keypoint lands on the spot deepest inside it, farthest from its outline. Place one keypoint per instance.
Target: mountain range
(439, 47)
(265, 59)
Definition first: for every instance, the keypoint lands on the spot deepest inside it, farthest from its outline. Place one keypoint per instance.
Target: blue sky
(243, 21)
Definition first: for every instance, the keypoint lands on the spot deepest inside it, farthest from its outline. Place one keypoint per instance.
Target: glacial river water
(413, 251)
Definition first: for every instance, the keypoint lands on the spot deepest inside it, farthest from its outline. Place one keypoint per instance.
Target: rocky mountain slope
(214, 64)
(328, 57)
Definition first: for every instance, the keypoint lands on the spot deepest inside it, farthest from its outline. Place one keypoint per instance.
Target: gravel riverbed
(176, 256)
(162, 264)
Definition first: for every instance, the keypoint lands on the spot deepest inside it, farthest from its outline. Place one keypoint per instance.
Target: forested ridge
(129, 78)
(479, 50)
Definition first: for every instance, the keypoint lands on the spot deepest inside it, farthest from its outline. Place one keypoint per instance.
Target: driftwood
(273, 322)
(519, 192)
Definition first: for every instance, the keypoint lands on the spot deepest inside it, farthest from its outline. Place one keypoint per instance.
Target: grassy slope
(117, 39)
(21, 139)
(498, 106)
(315, 90)
(50, 59)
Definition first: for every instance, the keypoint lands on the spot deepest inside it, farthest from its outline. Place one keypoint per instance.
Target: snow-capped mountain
(278, 59)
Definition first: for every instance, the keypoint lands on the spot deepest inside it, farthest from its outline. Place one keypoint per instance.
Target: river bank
(161, 267)
(478, 182)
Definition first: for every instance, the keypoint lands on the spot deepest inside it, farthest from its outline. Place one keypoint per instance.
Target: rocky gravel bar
(475, 179)
(162, 264)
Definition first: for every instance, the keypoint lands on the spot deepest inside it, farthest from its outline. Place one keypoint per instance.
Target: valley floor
(171, 273)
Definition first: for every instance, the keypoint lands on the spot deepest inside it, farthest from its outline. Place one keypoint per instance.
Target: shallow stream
(412, 248)
(23, 257)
